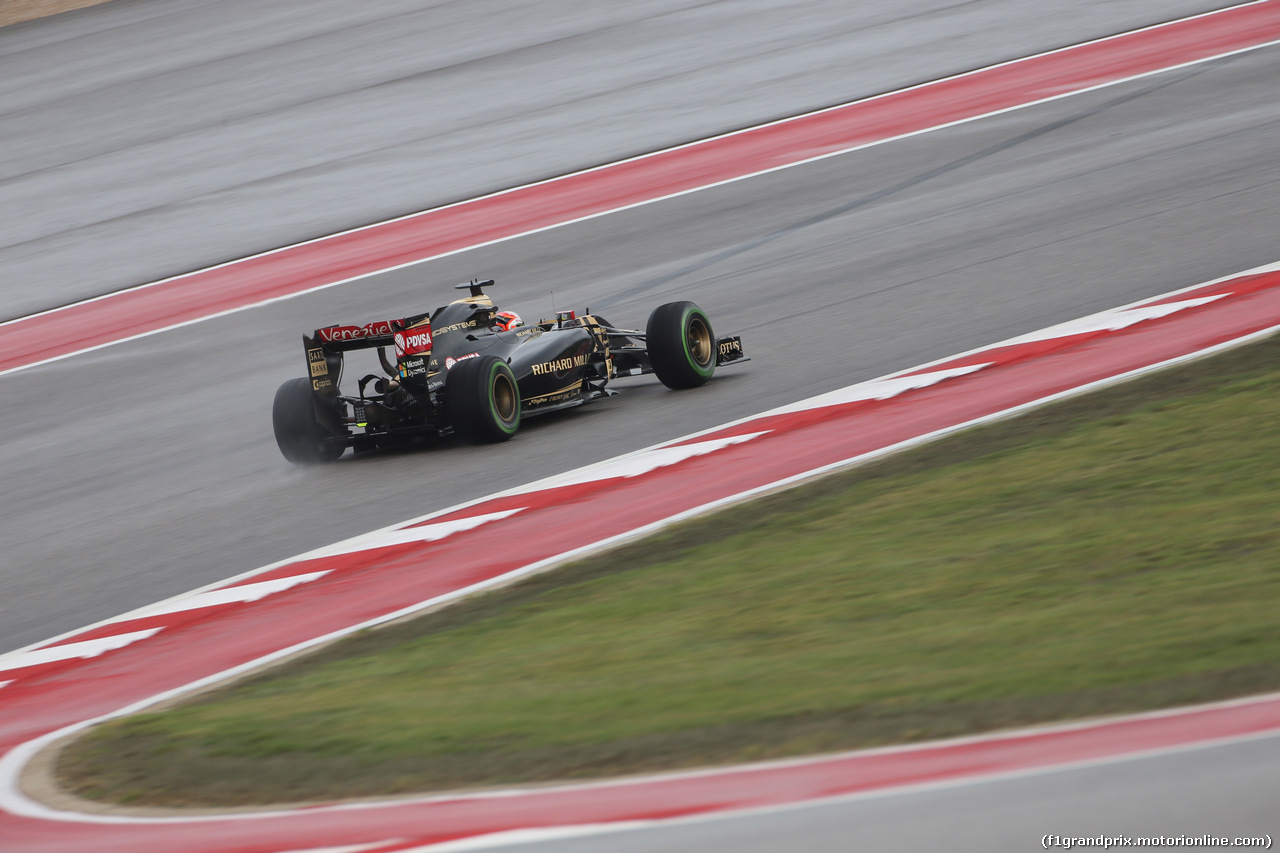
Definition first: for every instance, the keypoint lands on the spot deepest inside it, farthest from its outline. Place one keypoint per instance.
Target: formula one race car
(472, 371)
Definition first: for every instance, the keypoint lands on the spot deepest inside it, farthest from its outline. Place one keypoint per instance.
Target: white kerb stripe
(1111, 321)
(509, 837)
(226, 595)
(635, 464)
(883, 389)
(347, 848)
(67, 651)
(877, 389)
(403, 535)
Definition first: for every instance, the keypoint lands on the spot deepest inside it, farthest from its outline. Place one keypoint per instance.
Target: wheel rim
(699, 341)
(505, 402)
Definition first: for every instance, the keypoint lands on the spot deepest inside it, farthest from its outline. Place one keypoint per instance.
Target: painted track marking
(72, 651)
(404, 535)
(641, 462)
(242, 594)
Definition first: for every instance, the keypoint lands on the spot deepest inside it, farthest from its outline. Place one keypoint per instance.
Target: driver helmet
(505, 321)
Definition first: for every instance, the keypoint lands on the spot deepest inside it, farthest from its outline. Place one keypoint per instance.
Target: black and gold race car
(469, 370)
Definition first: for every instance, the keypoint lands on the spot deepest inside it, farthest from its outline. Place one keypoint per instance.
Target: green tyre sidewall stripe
(689, 314)
(511, 428)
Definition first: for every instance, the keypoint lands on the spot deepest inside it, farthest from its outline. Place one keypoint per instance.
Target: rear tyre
(299, 435)
(484, 400)
(682, 347)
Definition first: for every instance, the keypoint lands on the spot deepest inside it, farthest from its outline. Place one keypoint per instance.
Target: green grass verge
(1114, 552)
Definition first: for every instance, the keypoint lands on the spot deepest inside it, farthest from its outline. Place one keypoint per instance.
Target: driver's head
(505, 321)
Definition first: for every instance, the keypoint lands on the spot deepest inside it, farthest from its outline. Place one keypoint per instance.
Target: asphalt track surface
(145, 138)
(147, 468)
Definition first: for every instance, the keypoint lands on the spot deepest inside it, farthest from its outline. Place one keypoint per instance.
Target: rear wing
(326, 346)
(380, 334)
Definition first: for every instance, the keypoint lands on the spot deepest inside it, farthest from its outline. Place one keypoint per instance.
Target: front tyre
(682, 347)
(299, 435)
(484, 400)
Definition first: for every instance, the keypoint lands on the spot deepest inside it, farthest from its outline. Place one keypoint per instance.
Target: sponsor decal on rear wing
(323, 365)
(416, 341)
(377, 334)
(367, 335)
